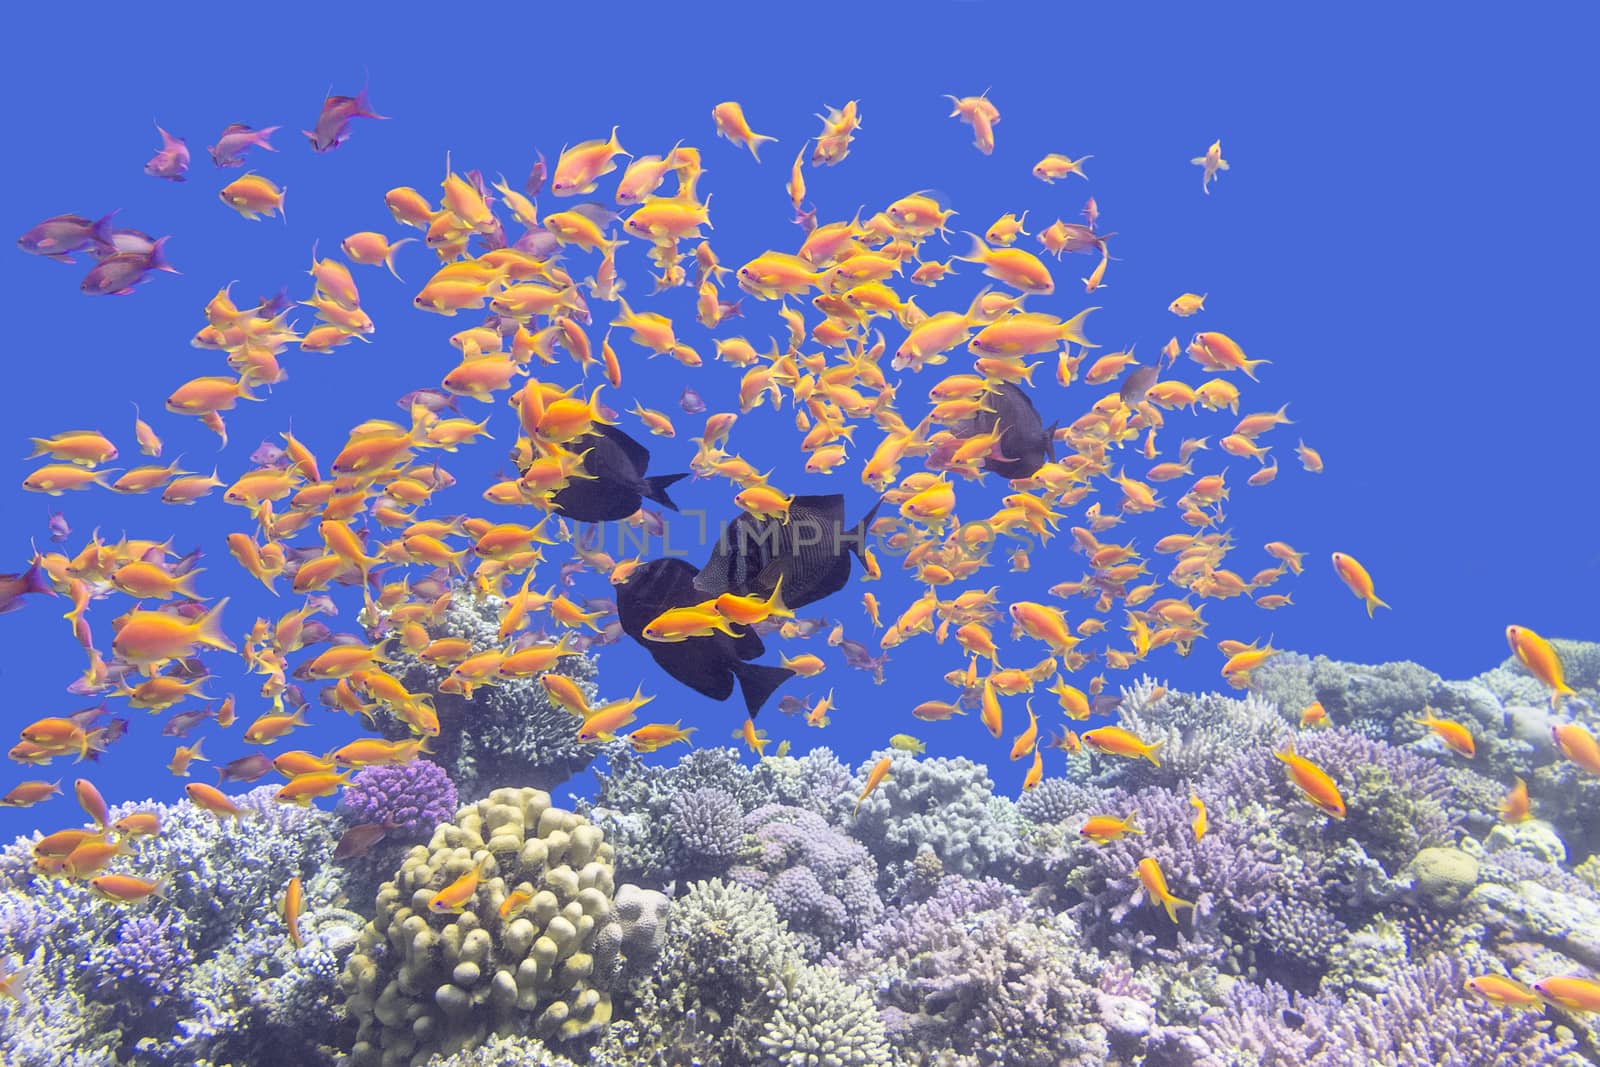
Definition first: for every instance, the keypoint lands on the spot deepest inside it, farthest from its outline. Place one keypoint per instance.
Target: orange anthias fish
(1103, 828)
(1115, 741)
(1535, 653)
(1155, 887)
(1506, 992)
(1571, 992)
(294, 901)
(1456, 736)
(1314, 783)
(1578, 745)
(454, 898)
(1354, 575)
(1517, 807)
(879, 772)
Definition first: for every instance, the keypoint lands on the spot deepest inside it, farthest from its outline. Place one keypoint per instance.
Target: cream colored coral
(420, 983)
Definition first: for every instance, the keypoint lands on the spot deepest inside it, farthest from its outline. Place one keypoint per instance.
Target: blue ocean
(968, 534)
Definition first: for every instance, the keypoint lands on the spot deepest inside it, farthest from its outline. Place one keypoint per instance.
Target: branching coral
(408, 798)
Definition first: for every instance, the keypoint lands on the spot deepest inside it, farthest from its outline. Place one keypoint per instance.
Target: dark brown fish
(245, 768)
(1025, 443)
(708, 665)
(617, 483)
(810, 552)
(182, 722)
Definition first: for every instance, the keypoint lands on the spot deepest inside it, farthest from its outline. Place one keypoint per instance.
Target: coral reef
(776, 922)
(946, 806)
(822, 883)
(204, 974)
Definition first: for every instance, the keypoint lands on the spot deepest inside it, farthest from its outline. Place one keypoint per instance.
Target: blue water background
(1407, 233)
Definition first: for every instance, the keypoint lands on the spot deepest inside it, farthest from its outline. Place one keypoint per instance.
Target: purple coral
(822, 882)
(148, 958)
(1423, 1018)
(410, 798)
(1231, 874)
(974, 971)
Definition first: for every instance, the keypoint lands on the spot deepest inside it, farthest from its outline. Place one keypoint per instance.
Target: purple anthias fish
(58, 237)
(436, 401)
(171, 161)
(117, 274)
(59, 530)
(268, 454)
(245, 768)
(536, 177)
(182, 722)
(333, 125)
(690, 402)
(238, 139)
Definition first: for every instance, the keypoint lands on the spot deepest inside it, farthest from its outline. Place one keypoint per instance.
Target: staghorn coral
(822, 883)
(1058, 800)
(504, 1052)
(634, 802)
(823, 1020)
(410, 798)
(171, 981)
(507, 734)
(422, 981)
(1366, 699)
(1398, 802)
(724, 963)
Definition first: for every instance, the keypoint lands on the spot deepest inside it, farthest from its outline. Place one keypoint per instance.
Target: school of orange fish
(362, 523)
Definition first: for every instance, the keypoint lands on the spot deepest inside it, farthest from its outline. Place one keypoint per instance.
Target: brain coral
(422, 982)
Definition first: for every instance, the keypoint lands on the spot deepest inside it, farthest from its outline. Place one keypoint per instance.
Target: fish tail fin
(658, 485)
(388, 260)
(1172, 904)
(363, 107)
(757, 683)
(101, 231)
(210, 630)
(977, 251)
(157, 259)
(1150, 750)
(1373, 601)
(858, 542)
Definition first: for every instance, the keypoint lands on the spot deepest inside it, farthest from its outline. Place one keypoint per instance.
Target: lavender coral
(822, 882)
(409, 798)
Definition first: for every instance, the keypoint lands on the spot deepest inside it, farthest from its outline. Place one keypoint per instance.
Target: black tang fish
(708, 665)
(810, 553)
(616, 484)
(1025, 443)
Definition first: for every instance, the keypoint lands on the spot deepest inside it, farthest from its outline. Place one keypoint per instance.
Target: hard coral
(423, 981)
(409, 798)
